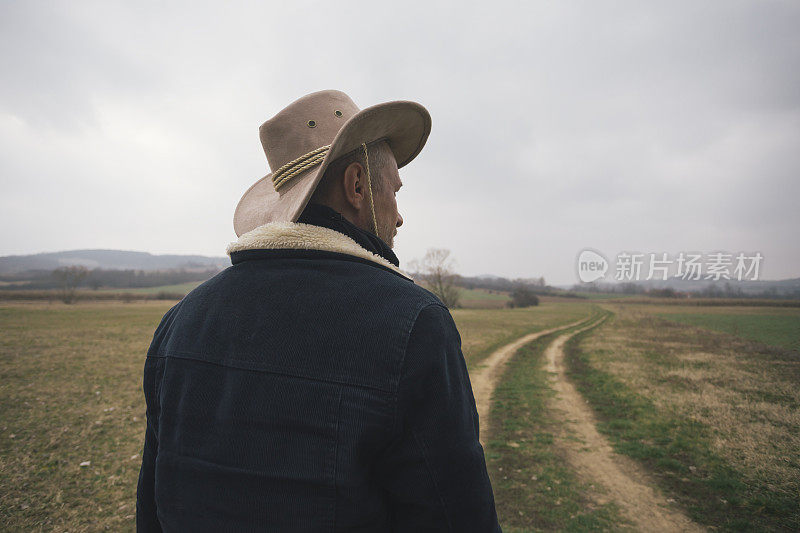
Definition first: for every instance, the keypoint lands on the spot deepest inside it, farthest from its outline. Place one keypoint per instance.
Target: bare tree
(437, 272)
(70, 277)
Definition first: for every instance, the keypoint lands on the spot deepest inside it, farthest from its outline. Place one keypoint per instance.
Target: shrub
(523, 296)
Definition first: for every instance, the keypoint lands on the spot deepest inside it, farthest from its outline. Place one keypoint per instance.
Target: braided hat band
(299, 165)
(312, 159)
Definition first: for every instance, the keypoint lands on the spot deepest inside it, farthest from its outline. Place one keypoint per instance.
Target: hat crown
(305, 125)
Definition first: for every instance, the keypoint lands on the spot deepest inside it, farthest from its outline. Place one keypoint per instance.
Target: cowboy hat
(311, 132)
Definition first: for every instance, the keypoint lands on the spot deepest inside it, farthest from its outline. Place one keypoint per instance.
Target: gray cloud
(557, 126)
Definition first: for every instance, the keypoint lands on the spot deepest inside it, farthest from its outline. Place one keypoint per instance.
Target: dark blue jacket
(310, 390)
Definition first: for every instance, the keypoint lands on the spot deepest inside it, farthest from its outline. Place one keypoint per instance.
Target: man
(312, 386)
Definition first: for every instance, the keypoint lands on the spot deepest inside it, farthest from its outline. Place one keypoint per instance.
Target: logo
(634, 266)
(591, 266)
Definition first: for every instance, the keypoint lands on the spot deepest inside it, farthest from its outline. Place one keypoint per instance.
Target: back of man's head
(379, 154)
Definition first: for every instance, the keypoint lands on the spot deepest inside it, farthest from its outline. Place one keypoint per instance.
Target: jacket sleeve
(146, 509)
(434, 470)
(146, 517)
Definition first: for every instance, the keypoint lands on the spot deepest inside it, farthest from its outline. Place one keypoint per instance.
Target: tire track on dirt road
(488, 373)
(595, 461)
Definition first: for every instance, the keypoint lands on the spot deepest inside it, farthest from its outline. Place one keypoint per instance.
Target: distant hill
(746, 286)
(489, 277)
(109, 260)
(784, 288)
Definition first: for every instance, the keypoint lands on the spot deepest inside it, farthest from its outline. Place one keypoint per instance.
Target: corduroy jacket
(310, 386)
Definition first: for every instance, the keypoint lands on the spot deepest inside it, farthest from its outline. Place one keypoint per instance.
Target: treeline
(537, 285)
(518, 286)
(86, 295)
(106, 278)
(436, 272)
(710, 290)
(717, 301)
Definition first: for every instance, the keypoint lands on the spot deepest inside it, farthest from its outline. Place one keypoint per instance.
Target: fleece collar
(299, 236)
(327, 217)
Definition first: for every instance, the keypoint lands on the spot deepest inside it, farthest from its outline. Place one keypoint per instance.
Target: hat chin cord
(369, 186)
(297, 166)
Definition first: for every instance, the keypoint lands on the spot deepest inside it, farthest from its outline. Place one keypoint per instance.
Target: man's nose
(399, 220)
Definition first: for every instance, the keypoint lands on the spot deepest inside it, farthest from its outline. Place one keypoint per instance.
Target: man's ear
(353, 185)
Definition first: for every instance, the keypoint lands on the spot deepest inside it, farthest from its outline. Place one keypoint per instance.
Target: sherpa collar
(327, 217)
(299, 236)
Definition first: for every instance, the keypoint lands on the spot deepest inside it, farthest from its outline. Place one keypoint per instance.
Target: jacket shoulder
(163, 328)
(295, 316)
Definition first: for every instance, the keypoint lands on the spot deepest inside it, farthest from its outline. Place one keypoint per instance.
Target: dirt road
(485, 377)
(617, 478)
(593, 459)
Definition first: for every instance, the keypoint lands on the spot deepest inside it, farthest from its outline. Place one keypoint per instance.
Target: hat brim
(404, 125)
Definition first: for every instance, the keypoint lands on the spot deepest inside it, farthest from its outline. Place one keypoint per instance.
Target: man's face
(386, 214)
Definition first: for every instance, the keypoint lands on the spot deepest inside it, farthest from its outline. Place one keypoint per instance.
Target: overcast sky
(557, 126)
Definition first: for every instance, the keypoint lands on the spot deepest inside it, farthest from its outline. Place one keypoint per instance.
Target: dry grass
(711, 302)
(535, 488)
(745, 392)
(124, 295)
(70, 393)
(484, 330)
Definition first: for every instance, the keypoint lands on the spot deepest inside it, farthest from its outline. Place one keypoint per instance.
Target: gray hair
(380, 155)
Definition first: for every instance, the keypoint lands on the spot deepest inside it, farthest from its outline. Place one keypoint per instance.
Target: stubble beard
(386, 234)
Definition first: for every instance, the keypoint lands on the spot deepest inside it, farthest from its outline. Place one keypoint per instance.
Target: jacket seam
(155, 394)
(417, 438)
(336, 459)
(162, 367)
(421, 444)
(177, 355)
(399, 372)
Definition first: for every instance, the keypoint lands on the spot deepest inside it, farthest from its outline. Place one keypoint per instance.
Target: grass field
(534, 487)
(713, 413)
(483, 294)
(70, 394)
(779, 327)
(179, 288)
(484, 330)
(72, 413)
(713, 416)
(602, 295)
(483, 299)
